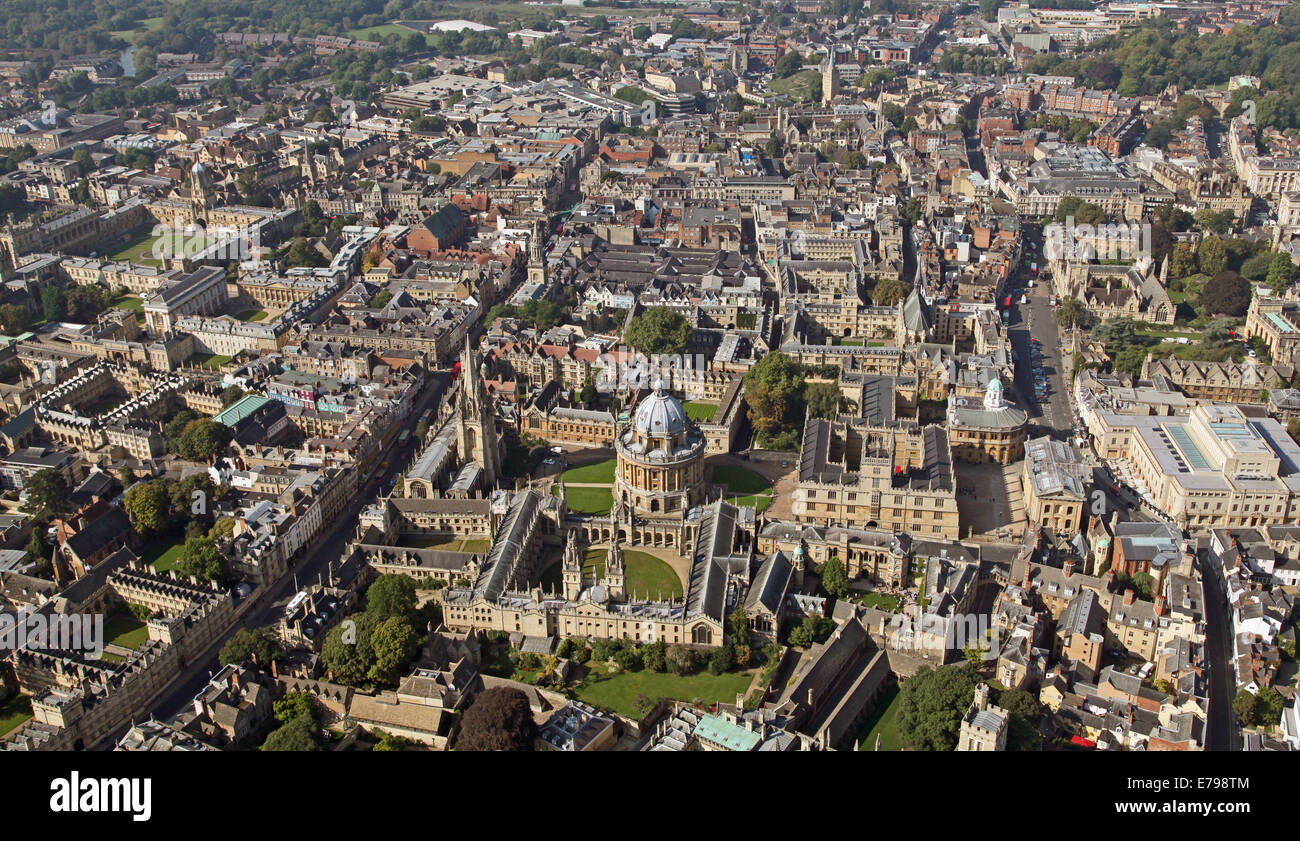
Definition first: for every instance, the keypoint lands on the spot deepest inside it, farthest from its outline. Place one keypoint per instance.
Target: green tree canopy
(499, 719)
(931, 705)
(659, 330)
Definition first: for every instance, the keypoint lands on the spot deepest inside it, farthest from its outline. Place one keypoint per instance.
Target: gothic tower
(616, 571)
(477, 436)
(200, 192)
(571, 568)
(830, 79)
(536, 256)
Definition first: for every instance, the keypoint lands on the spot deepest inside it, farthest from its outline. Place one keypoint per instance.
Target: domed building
(660, 458)
(988, 431)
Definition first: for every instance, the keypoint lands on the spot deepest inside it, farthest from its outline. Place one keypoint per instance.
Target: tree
(201, 558)
(989, 9)
(890, 291)
(147, 505)
(788, 64)
(1211, 256)
(499, 719)
(55, 309)
(393, 642)
(680, 660)
(300, 734)
(738, 627)
(47, 490)
(1281, 273)
(1244, 706)
(774, 389)
(256, 644)
(1226, 293)
(653, 657)
(204, 440)
(14, 319)
(823, 399)
(231, 395)
(722, 659)
(293, 705)
(346, 654)
(812, 630)
(931, 705)
(1144, 585)
(1069, 312)
(392, 596)
(38, 550)
(1024, 710)
(659, 330)
(835, 581)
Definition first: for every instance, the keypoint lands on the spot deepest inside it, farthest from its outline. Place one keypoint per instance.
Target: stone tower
(200, 192)
(830, 79)
(571, 568)
(477, 435)
(536, 255)
(616, 571)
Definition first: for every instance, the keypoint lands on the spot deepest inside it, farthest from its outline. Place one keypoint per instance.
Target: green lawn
(618, 692)
(740, 480)
(587, 500)
(646, 574)
(882, 721)
(701, 412)
(121, 628)
(759, 502)
(881, 601)
(374, 33)
(596, 473)
(147, 24)
(211, 361)
(138, 251)
(251, 315)
(14, 712)
(129, 302)
(162, 554)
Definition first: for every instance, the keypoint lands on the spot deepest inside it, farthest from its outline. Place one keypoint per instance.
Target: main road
(328, 547)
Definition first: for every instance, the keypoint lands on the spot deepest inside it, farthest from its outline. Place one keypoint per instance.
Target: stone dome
(660, 414)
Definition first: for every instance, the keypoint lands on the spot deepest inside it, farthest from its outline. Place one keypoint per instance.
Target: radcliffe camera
(620, 376)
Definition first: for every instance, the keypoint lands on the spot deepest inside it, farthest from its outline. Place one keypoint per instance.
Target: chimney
(1128, 596)
(1068, 567)
(1162, 606)
(1109, 579)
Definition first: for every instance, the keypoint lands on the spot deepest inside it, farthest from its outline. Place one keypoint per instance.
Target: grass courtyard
(138, 251)
(618, 693)
(453, 545)
(596, 473)
(251, 315)
(121, 628)
(210, 361)
(701, 412)
(14, 712)
(645, 573)
(587, 500)
(163, 554)
(744, 486)
(882, 721)
(129, 302)
(796, 86)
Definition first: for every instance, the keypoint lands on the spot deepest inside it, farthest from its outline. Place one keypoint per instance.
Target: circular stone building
(660, 458)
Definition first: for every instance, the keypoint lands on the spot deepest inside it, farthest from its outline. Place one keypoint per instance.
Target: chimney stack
(1068, 567)
(1128, 596)
(1162, 606)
